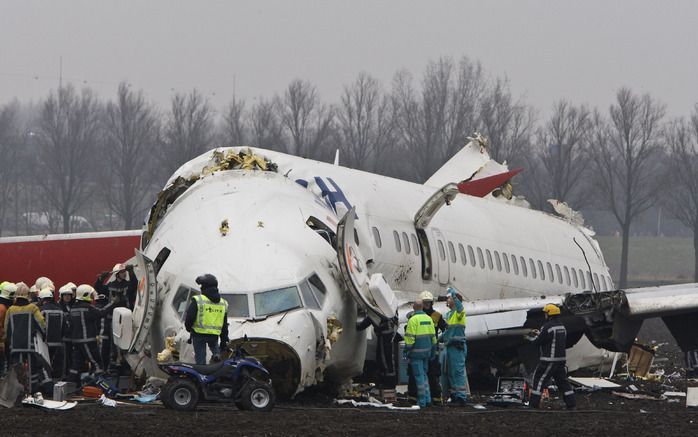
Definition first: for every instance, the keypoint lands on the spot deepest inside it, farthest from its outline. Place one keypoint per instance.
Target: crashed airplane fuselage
(267, 224)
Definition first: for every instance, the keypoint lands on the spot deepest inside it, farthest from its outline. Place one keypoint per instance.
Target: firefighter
(387, 345)
(120, 288)
(7, 296)
(434, 365)
(552, 340)
(84, 321)
(23, 321)
(67, 296)
(207, 319)
(456, 349)
(56, 331)
(41, 283)
(420, 347)
(105, 333)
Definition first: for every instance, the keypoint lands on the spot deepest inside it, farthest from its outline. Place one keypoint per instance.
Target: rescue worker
(387, 345)
(84, 321)
(120, 286)
(434, 364)
(7, 296)
(552, 340)
(56, 330)
(456, 349)
(33, 298)
(104, 333)
(420, 347)
(207, 319)
(41, 283)
(67, 296)
(23, 321)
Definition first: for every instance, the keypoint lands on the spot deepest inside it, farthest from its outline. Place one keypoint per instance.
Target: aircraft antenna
(591, 275)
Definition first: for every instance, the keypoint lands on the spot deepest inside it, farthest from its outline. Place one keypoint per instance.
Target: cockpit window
(237, 305)
(276, 301)
(308, 297)
(181, 299)
(318, 288)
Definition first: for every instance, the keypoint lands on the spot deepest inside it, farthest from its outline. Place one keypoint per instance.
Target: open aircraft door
(373, 293)
(441, 258)
(146, 298)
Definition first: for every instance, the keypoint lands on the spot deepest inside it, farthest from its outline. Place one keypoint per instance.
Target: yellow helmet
(551, 310)
(426, 295)
(7, 290)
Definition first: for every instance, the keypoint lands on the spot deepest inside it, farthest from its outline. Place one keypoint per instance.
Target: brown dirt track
(599, 414)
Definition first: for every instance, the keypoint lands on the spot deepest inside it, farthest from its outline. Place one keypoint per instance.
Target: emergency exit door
(439, 256)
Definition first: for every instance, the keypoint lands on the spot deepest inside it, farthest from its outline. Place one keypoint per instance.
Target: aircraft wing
(614, 317)
(489, 318)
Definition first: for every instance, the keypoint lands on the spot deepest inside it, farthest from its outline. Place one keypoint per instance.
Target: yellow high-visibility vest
(210, 316)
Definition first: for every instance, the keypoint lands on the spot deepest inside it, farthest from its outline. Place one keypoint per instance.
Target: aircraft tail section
(471, 163)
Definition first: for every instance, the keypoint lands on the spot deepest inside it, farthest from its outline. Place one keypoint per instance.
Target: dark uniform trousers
(545, 371)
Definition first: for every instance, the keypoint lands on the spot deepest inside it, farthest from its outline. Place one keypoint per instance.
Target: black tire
(258, 396)
(182, 395)
(239, 405)
(164, 393)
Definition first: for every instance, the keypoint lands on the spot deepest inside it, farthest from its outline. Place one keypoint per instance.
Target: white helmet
(85, 292)
(425, 295)
(68, 288)
(8, 290)
(46, 293)
(44, 282)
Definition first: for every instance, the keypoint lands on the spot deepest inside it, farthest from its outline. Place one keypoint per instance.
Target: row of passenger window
(407, 243)
(507, 262)
(518, 265)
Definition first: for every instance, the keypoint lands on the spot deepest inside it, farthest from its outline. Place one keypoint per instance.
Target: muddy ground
(599, 413)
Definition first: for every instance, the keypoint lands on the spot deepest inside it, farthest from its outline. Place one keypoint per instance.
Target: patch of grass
(651, 259)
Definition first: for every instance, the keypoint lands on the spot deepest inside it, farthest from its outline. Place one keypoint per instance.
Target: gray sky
(582, 51)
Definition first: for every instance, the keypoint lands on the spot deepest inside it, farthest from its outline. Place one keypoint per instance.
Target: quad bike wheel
(181, 395)
(257, 396)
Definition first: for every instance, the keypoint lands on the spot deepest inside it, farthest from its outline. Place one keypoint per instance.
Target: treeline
(78, 162)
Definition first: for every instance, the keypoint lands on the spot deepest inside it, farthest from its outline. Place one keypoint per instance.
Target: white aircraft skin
(269, 246)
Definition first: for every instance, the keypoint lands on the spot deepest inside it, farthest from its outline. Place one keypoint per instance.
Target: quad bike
(240, 379)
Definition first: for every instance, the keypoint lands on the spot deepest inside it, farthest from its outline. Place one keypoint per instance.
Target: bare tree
(8, 154)
(507, 123)
(188, 131)
(307, 121)
(682, 138)
(623, 151)
(131, 126)
(433, 124)
(365, 124)
(559, 161)
(68, 142)
(266, 129)
(235, 132)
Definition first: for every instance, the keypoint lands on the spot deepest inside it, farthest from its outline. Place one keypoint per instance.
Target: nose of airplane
(288, 344)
